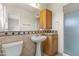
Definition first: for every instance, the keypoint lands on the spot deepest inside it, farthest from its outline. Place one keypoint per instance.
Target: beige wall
(57, 21)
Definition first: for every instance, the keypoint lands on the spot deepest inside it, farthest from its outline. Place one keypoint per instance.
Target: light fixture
(35, 5)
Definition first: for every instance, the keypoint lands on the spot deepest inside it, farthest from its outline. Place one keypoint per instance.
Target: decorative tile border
(8, 33)
(12, 36)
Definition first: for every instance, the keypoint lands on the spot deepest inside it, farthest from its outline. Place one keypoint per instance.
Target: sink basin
(38, 39)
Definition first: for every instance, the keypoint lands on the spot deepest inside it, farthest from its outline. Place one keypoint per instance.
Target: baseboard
(64, 54)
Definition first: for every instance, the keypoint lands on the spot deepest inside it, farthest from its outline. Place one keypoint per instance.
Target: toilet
(12, 49)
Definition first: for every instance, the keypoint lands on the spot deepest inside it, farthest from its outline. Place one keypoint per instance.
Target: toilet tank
(12, 49)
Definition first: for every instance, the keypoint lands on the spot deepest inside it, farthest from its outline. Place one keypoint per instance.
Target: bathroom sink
(38, 38)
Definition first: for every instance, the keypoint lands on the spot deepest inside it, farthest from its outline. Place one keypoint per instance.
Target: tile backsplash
(28, 45)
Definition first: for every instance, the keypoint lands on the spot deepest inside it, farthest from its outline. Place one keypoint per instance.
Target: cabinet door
(41, 18)
(48, 19)
(45, 46)
(50, 45)
(45, 19)
(54, 45)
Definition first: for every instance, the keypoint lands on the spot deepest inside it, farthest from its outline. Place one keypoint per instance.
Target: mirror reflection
(19, 17)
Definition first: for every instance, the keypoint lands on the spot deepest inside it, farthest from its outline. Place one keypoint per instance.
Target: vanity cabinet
(50, 45)
(45, 19)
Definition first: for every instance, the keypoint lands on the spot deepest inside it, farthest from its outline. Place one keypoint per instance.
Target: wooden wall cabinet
(45, 19)
(50, 45)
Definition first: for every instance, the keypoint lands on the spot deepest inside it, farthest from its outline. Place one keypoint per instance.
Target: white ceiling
(71, 7)
(29, 7)
(23, 5)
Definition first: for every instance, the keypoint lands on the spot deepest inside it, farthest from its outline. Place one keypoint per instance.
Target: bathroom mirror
(19, 17)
